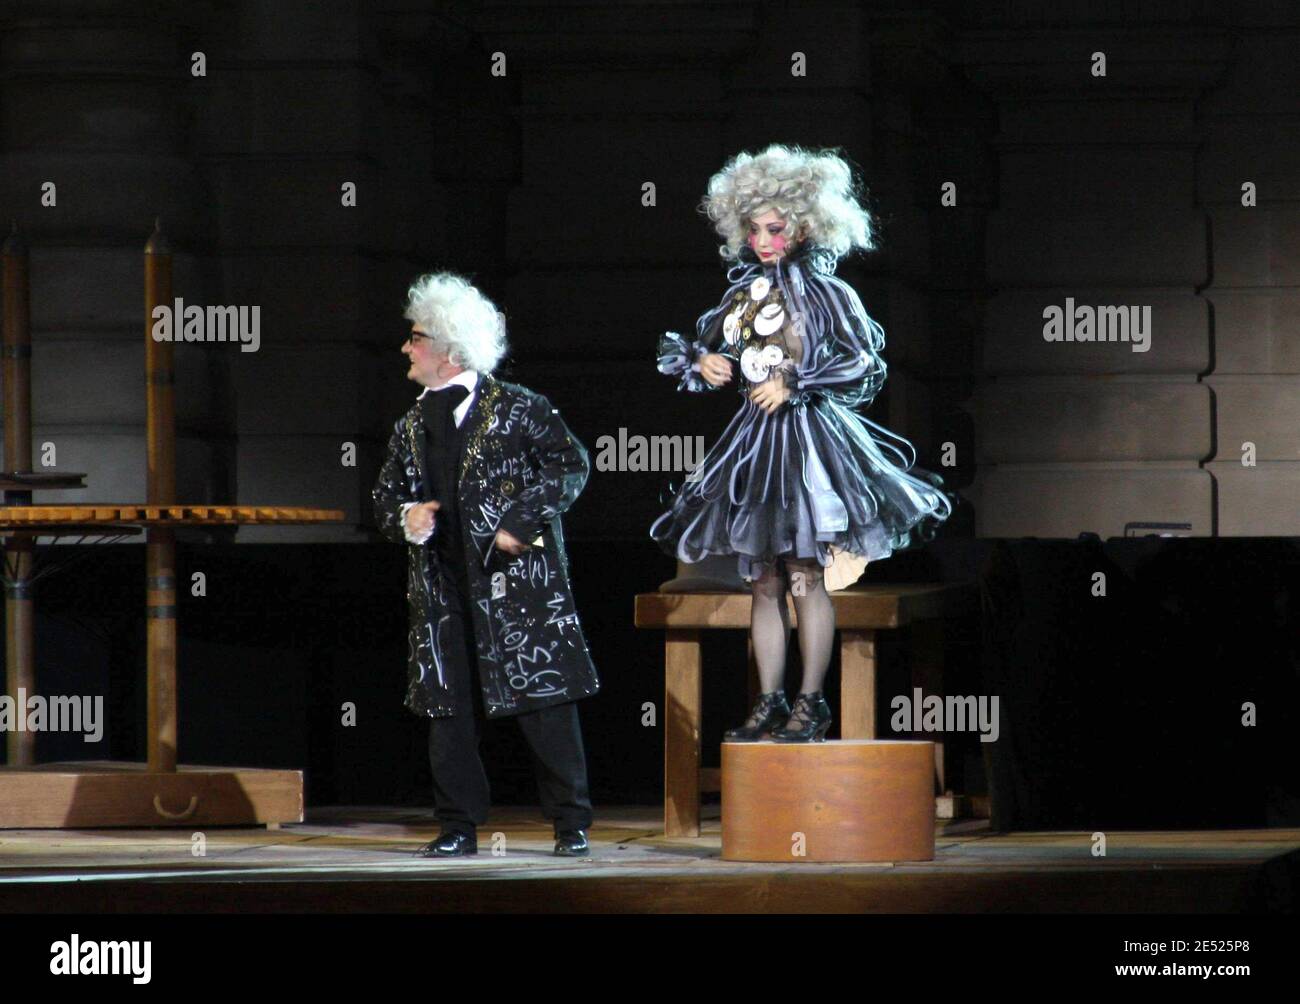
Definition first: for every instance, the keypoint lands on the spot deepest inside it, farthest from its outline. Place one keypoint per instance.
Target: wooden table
(107, 793)
(160, 792)
(859, 613)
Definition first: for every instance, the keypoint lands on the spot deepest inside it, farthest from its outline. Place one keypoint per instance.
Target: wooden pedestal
(860, 614)
(853, 800)
(117, 793)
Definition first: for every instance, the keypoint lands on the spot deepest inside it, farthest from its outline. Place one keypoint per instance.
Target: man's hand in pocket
(509, 543)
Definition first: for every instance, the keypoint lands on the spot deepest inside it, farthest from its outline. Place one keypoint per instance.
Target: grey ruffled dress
(815, 477)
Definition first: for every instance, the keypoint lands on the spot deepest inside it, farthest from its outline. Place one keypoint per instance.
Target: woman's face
(766, 238)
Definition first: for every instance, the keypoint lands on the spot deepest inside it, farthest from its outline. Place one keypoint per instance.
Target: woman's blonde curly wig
(812, 190)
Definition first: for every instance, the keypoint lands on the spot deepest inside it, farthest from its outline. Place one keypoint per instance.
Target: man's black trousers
(554, 737)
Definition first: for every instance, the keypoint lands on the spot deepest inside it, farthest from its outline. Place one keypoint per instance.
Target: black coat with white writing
(519, 469)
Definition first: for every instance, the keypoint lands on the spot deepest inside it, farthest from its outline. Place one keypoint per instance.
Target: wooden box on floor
(119, 793)
(852, 800)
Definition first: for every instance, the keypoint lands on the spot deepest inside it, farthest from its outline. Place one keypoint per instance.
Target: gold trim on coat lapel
(482, 411)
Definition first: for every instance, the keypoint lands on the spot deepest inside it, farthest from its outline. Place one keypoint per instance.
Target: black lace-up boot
(808, 722)
(770, 712)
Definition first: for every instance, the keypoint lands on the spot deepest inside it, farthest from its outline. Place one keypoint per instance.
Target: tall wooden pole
(19, 648)
(160, 542)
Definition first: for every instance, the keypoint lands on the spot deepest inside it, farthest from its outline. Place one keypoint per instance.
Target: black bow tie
(452, 395)
(437, 407)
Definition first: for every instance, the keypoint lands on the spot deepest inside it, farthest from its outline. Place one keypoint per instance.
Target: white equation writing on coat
(533, 568)
(512, 465)
(483, 527)
(532, 429)
(525, 674)
(555, 603)
(516, 412)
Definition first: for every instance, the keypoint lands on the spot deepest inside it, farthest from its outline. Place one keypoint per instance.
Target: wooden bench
(859, 613)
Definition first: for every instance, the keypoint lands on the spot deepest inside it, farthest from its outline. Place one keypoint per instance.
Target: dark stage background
(1127, 188)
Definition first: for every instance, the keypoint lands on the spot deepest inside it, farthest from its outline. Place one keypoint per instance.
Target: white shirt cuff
(416, 538)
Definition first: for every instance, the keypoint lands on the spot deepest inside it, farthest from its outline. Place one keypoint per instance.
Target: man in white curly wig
(477, 474)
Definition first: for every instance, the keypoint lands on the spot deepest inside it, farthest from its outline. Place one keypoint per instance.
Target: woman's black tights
(769, 623)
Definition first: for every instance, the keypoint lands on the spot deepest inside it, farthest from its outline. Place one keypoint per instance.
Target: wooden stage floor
(360, 859)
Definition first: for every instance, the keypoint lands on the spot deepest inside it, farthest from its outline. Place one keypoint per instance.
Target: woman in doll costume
(800, 487)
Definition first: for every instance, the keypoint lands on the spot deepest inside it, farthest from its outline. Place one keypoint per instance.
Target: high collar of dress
(808, 256)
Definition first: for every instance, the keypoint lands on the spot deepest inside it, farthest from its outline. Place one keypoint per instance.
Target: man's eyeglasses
(411, 336)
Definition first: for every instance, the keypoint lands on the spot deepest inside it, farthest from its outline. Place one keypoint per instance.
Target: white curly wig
(458, 318)
(804, 187)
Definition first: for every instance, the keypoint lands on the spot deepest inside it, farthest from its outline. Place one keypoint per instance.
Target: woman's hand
(419, 517)
(715, 368)
(770, 395)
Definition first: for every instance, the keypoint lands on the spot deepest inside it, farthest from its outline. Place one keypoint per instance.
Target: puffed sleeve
(843, 344)
(680, 358)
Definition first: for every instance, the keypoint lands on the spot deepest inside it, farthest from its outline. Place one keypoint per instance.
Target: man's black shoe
(571, 844)
(450, 844)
